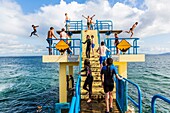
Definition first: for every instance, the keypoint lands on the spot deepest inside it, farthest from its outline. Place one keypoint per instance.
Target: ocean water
(26, 82)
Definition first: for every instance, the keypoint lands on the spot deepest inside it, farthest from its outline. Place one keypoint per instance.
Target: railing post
(154, 101)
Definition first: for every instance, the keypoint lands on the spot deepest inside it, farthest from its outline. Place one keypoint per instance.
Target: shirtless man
(64, 36)
(89, 20)
(49, 39)
(131, 29)
(102, 51)
(34, 28)
(67, 21)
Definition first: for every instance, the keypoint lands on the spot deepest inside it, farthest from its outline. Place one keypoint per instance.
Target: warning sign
(61, 46)
(123, 46)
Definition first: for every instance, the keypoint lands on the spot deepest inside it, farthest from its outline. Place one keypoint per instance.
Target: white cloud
(16, 26)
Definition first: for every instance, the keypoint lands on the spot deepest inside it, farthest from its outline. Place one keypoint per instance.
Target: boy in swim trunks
(49, 39)
(102, 51)
(92, 44)
(132, 29)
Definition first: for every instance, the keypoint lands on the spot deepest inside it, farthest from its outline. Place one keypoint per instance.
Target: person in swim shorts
(102, 51)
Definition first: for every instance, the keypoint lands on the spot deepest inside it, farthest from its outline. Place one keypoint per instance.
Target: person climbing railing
(157, 96)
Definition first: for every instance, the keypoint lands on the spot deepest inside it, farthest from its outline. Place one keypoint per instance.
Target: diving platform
(77, 57)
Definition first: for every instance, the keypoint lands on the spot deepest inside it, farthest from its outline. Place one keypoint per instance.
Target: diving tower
(69, 61)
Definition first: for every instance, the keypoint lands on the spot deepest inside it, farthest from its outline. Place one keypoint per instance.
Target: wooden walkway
(97, 106)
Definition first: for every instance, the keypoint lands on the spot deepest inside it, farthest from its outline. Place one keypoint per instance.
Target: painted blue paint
(59, 106)
(153, 102)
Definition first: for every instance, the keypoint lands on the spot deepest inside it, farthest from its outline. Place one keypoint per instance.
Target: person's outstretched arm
(107, 49)
(84, 16)
(92, 16)
(84, 42)
(54, 35)
(97, 50)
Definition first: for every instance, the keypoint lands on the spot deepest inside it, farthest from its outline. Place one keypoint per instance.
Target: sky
(17, 16)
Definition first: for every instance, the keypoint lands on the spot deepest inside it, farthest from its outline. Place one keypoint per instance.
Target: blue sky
(17, 16)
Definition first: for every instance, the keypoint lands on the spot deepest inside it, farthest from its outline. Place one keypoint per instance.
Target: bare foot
(88, 101)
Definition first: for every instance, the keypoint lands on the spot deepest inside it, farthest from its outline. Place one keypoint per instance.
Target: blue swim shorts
(102, 59)
(93, 45)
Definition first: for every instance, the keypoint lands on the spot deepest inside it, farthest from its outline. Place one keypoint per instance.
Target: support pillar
(62, 84)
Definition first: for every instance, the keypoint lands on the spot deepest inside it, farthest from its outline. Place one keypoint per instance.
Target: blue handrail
(122, 95)
(110, 45)
(104, 25)
(75, 104)
(74, 25)
(139, 103)
(154, 101)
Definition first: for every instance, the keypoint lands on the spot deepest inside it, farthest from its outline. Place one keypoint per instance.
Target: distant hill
(165, 53)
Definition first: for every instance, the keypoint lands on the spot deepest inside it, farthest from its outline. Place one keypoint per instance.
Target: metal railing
(104, 25)
(74, 46)
(111, 46)
(122, 95)
(75, 103)
(154, 101)
(74, 25)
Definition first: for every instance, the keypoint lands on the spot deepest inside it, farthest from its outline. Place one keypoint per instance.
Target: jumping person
(35, 30)
(102, 51)
(49, 39)
(107, 73)
(92, 44)
(132, 29)
(116, 43)
(89, 78)
(88, 47)
(89, 20)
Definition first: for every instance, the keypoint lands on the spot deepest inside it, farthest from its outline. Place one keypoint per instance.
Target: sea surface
(26, 82)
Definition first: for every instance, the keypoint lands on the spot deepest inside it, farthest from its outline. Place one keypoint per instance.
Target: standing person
(88, 20)
(116, 43)
(35, 30)
(132, 29)
(107, 73)
(49, 39)
(89, 78)
(102, 51)
(88, 47)
(92, 45)
(64, 36)
(67, 21)
(91, 22)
